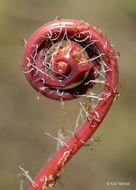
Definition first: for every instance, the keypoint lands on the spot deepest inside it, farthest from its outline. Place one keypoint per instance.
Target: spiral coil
(63, 59)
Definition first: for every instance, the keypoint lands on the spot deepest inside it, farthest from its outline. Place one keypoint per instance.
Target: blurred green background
(23, 116)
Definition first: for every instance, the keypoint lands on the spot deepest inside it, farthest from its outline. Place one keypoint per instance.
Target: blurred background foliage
(23, 116)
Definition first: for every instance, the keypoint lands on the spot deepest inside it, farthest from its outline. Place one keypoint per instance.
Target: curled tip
(63, 59)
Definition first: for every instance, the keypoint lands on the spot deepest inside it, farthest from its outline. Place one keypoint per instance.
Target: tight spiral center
(67, 65)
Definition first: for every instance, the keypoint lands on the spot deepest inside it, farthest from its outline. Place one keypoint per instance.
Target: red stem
(32, 55)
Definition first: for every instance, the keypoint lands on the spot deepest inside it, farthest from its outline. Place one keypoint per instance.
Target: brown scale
(87, 105)
(20, 67)
(63, 121)
(92, 146)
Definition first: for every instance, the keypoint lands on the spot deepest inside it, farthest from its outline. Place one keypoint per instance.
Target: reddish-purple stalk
(65, 61)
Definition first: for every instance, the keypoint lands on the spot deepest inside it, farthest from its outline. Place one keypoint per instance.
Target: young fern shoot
(66, 59)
